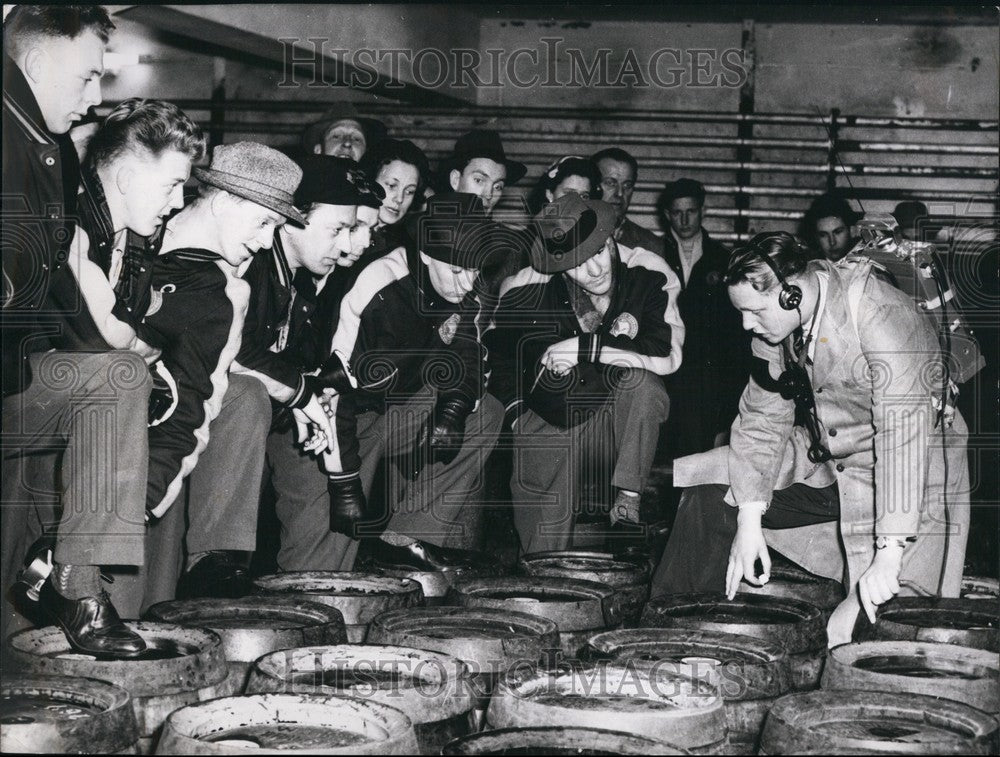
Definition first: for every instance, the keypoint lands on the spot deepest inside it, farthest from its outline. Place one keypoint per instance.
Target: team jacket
(279, 317)
(43, 306)
(535, 312)
(190, 305)
(400, 335)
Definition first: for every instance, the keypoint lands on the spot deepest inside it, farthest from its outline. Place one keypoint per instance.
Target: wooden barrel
(795, 626)
(180, 666)
(578, 608)
(790, 581)
(433, 689)
(557, 740)
(358, 596)
(750, 673)
(965, 622)
(288, 724)
(630, 579)
(488, 641)
(980, 587)
(876, 723)
(61, 715)
(255, 625)
(647, 700)
(963, 674)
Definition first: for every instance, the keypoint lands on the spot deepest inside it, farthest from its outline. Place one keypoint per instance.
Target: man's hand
(748, 546)
(880, 582)
(562, 357)
(312, 412)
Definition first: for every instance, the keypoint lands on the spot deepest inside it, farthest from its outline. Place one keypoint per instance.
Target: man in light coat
(872, 487)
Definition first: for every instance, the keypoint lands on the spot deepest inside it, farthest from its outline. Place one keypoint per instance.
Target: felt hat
(456, 230)
(336, 181)
(374, 130)
(569, 231)
(256, 173)
(482, 143)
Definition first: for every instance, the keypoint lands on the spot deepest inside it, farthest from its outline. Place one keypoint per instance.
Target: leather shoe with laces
(218, 575)
(91, 624)
(428, 557)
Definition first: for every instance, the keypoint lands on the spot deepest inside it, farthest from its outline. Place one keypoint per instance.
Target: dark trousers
(431, 508)
(552, 465)
(697, 552)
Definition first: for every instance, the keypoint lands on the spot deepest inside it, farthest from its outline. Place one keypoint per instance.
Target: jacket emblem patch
(449, 328)
(625, 325)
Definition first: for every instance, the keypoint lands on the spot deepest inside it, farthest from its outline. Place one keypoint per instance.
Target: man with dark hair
(581, 342)
(412, 329)
(706, 389)
(826, 226)
(619, 171)
(479, 165)
(835, 452)
(53, 63)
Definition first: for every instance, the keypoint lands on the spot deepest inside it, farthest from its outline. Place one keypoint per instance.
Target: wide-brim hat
(456, 230)
(482, 143)
(570, 231)
(256, 173)
(327, 180)
(375, 131)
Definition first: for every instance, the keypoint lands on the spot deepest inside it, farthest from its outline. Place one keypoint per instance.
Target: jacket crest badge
(625, 325)
(449, 328)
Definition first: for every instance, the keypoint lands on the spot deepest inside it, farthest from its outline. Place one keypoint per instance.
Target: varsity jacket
(188, 304)
(400, 335)
(535, 312)
(281, 308)
(43, 306)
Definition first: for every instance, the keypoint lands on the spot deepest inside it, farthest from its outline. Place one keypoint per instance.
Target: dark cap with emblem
(336, 181)
(482, 143)
(570, 231)
(456, 230)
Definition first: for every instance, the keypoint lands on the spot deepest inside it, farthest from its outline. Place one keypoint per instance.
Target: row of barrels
(620, 681)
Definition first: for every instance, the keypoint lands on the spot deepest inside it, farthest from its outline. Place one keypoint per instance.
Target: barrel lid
(175, 656)
(794, 625)
(485, 636)
(574, 605)
(747, 668)
(433, 684)
(274, 612)
(359, 596)
(967, 622)
(588, 567)
(557, 740)
(877, 722)
(291, 723)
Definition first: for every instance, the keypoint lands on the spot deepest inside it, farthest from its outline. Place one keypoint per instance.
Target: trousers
(428, 509)
(553, 465)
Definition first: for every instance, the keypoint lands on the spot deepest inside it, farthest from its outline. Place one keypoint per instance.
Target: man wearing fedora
(619, 172)
(412, 327)
(343, 133)
(580, 343)
(479, 165)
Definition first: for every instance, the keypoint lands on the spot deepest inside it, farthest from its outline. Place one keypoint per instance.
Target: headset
(790, 297)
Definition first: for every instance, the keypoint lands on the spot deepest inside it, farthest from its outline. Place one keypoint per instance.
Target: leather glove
(443, 433)
(161, 398)
(334, 374)
(348, 507)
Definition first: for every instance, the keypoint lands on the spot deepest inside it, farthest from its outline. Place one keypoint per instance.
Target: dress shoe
(218, 575)
(428, 557)
(91, 624)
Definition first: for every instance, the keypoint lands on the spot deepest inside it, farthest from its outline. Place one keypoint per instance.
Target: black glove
(334, 374)
(161, 398)
(348, 507)
(444, 432)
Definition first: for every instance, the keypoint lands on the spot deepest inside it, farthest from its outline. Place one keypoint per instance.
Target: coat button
(833, 432)
(50, 161)
(840, 467)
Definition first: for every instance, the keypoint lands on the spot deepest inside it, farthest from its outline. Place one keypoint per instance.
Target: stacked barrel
(567, 656)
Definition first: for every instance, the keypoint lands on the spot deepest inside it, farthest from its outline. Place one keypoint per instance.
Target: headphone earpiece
(790, 296)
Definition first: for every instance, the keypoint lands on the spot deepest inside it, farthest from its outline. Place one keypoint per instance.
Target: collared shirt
(813, 326)
(688, 260)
